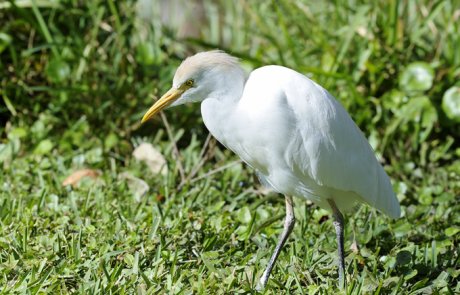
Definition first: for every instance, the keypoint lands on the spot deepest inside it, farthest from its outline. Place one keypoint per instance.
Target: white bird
(296, 135)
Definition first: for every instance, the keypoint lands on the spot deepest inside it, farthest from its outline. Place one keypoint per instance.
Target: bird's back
(309, 145)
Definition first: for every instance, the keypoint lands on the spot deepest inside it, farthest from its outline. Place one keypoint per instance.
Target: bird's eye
(189, 82)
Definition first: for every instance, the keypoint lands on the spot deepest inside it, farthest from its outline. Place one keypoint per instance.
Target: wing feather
(337, 153)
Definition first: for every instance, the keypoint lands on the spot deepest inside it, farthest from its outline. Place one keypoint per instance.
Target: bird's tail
(387, 202)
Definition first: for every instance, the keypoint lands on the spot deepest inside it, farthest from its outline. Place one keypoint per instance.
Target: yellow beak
(167, 99)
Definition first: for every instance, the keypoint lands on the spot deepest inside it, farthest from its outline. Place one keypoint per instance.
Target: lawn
(76, 78)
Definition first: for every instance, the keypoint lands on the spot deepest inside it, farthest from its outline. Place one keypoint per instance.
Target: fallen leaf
(160, 198)
(146, 153)
(74, 178)
(354, 247)
(136, 185)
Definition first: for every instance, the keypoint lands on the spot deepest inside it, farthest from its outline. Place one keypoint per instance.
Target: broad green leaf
(451, 103)
(426, 197)
(455, 167)
(242, 232)
(128, 258)
(147, 54)
(9, 149)
(94, 155)
(403, 257)
(244, 215)
(17, 132)
(417, 77)
(5, 40)
(412, 273)
(43, 147)
(217, 206)
(452, 231)
(57, 70)
(441, 280)
(401, 228)
(110, 141)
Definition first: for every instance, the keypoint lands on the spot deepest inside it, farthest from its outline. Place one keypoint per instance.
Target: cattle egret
(296, 135)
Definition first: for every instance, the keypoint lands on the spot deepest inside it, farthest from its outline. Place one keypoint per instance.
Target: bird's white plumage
(296, 135)
(324, 152)
(292, 131)
(301, 141)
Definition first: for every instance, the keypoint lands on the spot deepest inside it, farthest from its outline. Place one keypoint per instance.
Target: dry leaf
(354, 247)
(146, 153)
(136, 185)
(160, 198)
(74, 178)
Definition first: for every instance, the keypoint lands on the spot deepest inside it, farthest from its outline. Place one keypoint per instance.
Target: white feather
(301, 140)
(292, 131)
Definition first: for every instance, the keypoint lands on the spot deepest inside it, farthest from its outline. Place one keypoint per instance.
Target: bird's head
(200, 76)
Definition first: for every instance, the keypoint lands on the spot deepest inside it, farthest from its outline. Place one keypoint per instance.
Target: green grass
(77, 76)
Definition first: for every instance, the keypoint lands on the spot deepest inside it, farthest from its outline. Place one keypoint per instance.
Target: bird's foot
(262, 283)
(260, 287)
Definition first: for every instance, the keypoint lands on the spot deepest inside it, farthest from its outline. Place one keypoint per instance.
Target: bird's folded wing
(337, 153)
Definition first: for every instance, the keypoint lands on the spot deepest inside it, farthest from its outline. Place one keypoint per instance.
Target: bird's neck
(228, 88)
(219, 108)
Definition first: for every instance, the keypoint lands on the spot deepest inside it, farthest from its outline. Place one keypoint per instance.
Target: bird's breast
(258, 133)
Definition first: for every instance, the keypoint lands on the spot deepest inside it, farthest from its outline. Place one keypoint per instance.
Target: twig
(205, 145)
(176, 153)
(200, 164)
(268, 222)
(221, 168)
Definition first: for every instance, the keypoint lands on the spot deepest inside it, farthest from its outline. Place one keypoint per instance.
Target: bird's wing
(332, 150)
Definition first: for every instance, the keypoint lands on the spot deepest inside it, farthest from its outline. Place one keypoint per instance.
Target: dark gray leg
(288, 226)
(338, 224)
